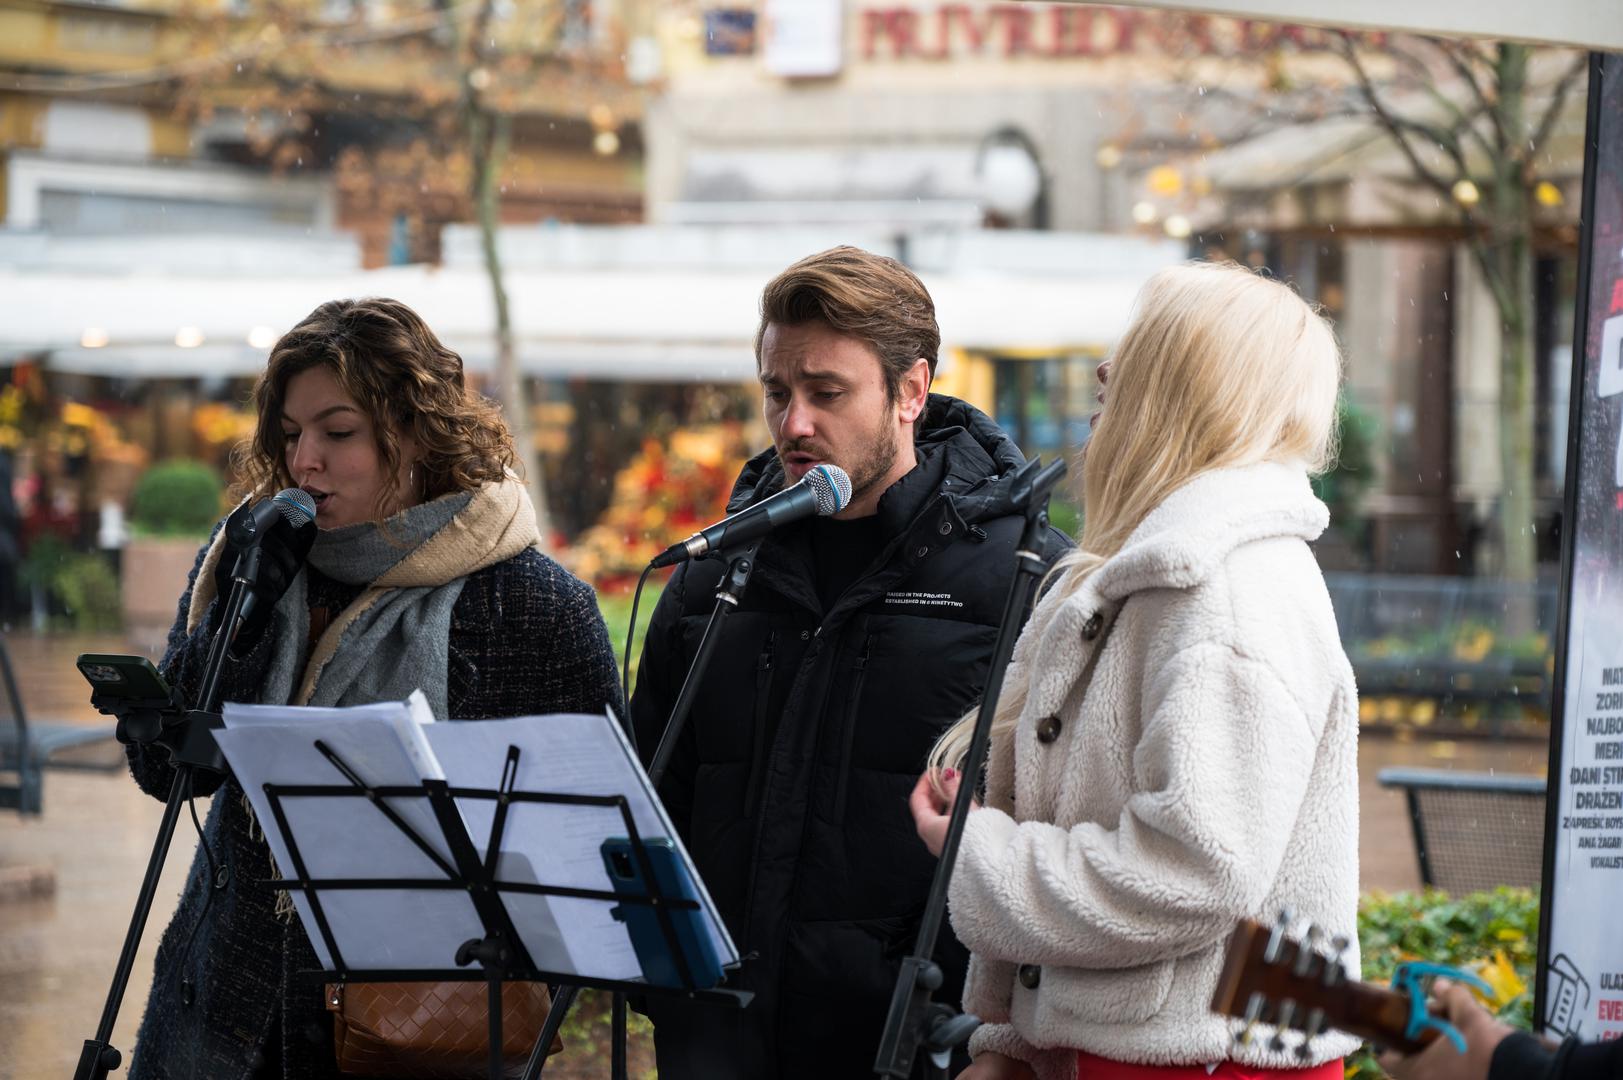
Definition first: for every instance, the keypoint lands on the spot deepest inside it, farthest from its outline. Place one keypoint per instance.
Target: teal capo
(1411, 979)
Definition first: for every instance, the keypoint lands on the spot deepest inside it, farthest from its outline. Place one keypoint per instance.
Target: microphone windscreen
(296, 505)
(833, 488)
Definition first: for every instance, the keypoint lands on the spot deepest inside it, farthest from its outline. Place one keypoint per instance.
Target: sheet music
(548, 844)
(567, 754)
(349, 837)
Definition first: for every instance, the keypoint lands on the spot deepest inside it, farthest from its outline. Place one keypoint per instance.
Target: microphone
(823, 491)
(248, 525)
(272, 540)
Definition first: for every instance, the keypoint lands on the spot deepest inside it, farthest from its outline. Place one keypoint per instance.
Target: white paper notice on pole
(1581, 974)
(804, 38)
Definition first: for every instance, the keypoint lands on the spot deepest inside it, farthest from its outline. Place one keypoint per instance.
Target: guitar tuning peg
(1307, 952)
(1282, 1023)
(1253, 1013)
(1310, 1030)
(1335, 966)
(1276, 936)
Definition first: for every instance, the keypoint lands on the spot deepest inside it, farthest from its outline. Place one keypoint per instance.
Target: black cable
(625, 667)
(211, 885)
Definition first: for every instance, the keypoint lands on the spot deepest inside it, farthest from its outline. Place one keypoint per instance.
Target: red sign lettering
(1611, 1010)
(940, 32)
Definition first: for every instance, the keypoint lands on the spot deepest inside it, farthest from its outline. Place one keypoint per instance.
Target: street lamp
(1010, 179)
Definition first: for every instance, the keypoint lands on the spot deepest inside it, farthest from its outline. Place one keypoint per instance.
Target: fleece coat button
(1030, 976)
(1091, 628)
(1048, 729)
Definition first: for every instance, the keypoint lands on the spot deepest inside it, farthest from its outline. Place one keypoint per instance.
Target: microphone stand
(739, 568)
(188, 735)
(914, 1020)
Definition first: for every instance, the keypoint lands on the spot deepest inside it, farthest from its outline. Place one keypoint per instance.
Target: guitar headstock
(1270, 979)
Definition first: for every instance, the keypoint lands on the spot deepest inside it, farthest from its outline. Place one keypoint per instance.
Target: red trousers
(1092, 1067)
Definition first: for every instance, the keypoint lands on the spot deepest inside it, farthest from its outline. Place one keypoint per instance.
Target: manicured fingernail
(950, 774)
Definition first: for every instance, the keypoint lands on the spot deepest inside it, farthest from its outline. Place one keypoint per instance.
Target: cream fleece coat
(1206, 772)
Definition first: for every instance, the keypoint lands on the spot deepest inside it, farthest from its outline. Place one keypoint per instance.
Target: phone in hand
(659, 967)
(123, 678)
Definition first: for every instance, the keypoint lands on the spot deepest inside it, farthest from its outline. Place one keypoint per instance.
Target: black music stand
(500, 952)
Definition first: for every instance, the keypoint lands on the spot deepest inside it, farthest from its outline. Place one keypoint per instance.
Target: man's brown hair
(866, 296)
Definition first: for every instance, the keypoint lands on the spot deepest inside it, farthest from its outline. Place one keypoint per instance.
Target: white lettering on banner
(1585, 939)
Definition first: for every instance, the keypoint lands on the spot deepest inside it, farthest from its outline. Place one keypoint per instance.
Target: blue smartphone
(659, 967)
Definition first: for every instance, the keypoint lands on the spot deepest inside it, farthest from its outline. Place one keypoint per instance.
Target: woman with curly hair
(424, 575)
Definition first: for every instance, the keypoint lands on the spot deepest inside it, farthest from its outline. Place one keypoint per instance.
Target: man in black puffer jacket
(859, 640)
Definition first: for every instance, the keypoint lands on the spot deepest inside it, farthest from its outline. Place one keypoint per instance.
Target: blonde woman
(1176, 747)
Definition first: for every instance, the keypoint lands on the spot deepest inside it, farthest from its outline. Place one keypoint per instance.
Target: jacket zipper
(759, 743)
(848, 737)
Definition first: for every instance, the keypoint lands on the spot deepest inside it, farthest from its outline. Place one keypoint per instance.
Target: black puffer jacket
(790, 783)
(526, 638)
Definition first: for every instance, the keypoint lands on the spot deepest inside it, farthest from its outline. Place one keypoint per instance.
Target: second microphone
(822, 492)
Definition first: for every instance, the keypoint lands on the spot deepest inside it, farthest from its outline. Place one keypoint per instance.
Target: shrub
(176, 498)
(89, 592)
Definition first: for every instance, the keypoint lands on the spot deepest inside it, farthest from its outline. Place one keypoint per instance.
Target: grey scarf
(397, 644)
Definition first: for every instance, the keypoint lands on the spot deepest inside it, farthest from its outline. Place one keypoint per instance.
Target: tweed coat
(1205, 773)
(526, 638)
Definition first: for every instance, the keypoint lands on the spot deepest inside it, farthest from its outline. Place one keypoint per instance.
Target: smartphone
(659, 967)
(124, 678)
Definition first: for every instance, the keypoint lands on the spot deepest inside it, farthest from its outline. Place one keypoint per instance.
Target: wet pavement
(57, 953)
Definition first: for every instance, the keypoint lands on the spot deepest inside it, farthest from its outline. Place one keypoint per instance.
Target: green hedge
(176, 498)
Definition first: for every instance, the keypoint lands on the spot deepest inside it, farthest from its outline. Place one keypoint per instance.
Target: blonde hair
(1220, 367)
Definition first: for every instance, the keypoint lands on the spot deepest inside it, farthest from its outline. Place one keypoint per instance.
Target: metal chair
(1474, 831)
(28, 747)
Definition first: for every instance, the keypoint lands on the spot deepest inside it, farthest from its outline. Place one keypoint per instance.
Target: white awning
(655, 325)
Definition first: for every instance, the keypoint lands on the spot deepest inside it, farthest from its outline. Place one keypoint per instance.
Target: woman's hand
(1440, 1061)
(931, 804)
(997, 1067)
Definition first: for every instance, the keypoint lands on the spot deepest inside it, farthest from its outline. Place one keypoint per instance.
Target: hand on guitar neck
(1440, 1060)
(1301, 992)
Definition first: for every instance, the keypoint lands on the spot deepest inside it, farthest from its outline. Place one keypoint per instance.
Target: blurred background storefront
(180, 183)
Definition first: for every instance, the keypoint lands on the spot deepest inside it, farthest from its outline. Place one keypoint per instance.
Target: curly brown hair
(402, 376)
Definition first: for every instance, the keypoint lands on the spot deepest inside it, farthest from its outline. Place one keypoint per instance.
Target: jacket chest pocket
(762, 728)
(848, 731)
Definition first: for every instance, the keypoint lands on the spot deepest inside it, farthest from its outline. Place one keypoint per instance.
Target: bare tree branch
(1460, 57)
(1570, 79)
(1396, 127)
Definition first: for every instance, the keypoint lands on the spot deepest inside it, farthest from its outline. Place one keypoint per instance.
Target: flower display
(673, 487)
